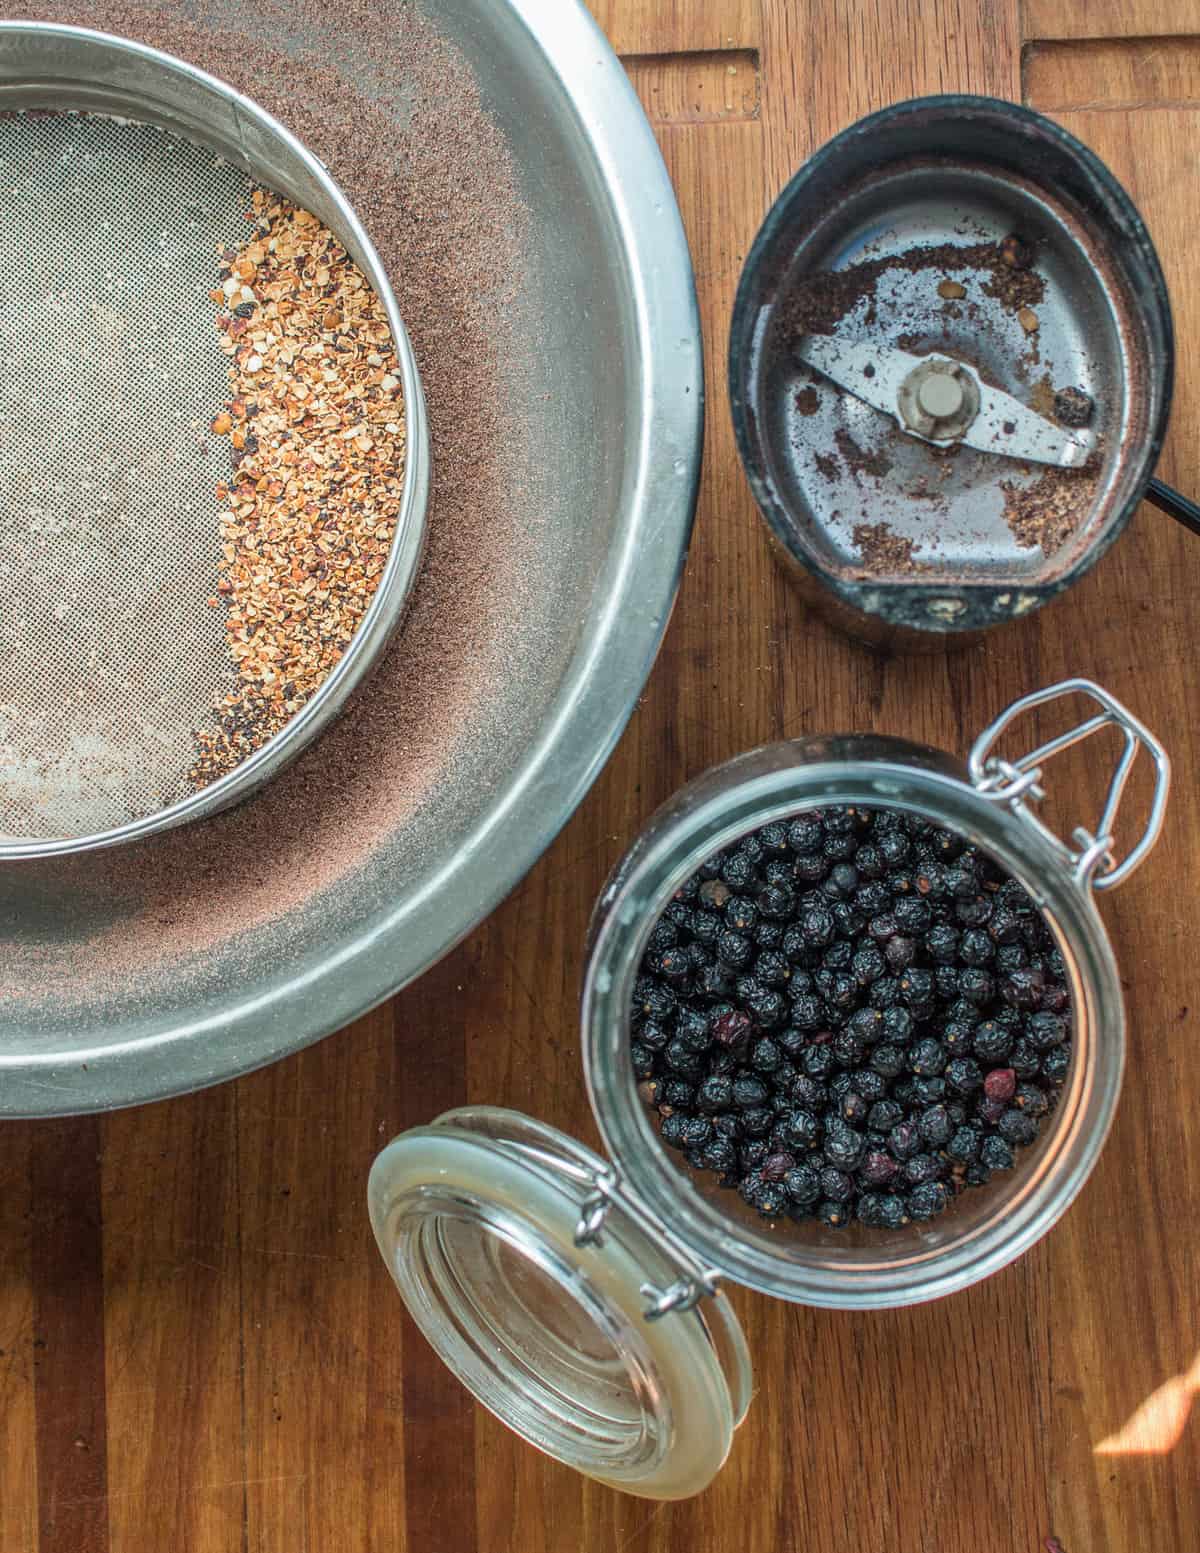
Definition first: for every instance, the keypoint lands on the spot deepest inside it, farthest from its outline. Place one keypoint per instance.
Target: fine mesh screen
(110, 374)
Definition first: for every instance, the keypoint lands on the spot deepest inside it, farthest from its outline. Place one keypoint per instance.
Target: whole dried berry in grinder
(851, 1015)
(1015, 252)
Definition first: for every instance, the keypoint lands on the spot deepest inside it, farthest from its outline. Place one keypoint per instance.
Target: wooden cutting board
(199, 1349)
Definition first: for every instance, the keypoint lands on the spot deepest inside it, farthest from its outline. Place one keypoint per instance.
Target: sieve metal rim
(383, 615)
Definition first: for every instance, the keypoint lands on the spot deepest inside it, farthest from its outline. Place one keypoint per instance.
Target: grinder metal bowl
(976, 248)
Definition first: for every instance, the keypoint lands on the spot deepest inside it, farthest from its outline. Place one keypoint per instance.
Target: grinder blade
(941, 400)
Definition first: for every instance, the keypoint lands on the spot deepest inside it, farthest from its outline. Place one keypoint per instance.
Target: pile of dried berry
(851, 1015)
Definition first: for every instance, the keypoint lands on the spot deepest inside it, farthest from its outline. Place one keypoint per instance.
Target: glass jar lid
(557, 1301)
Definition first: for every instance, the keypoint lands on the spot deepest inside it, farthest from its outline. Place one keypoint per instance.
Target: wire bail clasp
(594, 1209)
(695, 1280)
(683, 1294)
(1016, 783)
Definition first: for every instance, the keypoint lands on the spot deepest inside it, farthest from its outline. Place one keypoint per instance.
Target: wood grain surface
(1110, 18)
(199, 1348)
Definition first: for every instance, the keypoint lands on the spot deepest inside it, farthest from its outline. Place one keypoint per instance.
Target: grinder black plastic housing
(948, 171)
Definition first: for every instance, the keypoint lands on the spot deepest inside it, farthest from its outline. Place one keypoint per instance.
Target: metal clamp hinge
(1018, 783)
(683, 1294)
(595, 1208)
(687, 1291)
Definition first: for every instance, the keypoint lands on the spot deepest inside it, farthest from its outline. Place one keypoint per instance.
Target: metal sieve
(122, 171)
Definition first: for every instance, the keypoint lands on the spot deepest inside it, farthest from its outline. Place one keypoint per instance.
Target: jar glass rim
(739, 797)
(477, 1217)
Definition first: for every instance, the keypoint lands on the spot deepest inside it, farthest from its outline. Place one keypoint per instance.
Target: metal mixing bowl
(608, 390)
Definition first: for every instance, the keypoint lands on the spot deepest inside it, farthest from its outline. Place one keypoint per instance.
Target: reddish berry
(1000, 1084)
(733, 1028)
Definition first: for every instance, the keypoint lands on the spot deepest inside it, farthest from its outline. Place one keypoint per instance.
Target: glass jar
(579, 1299)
